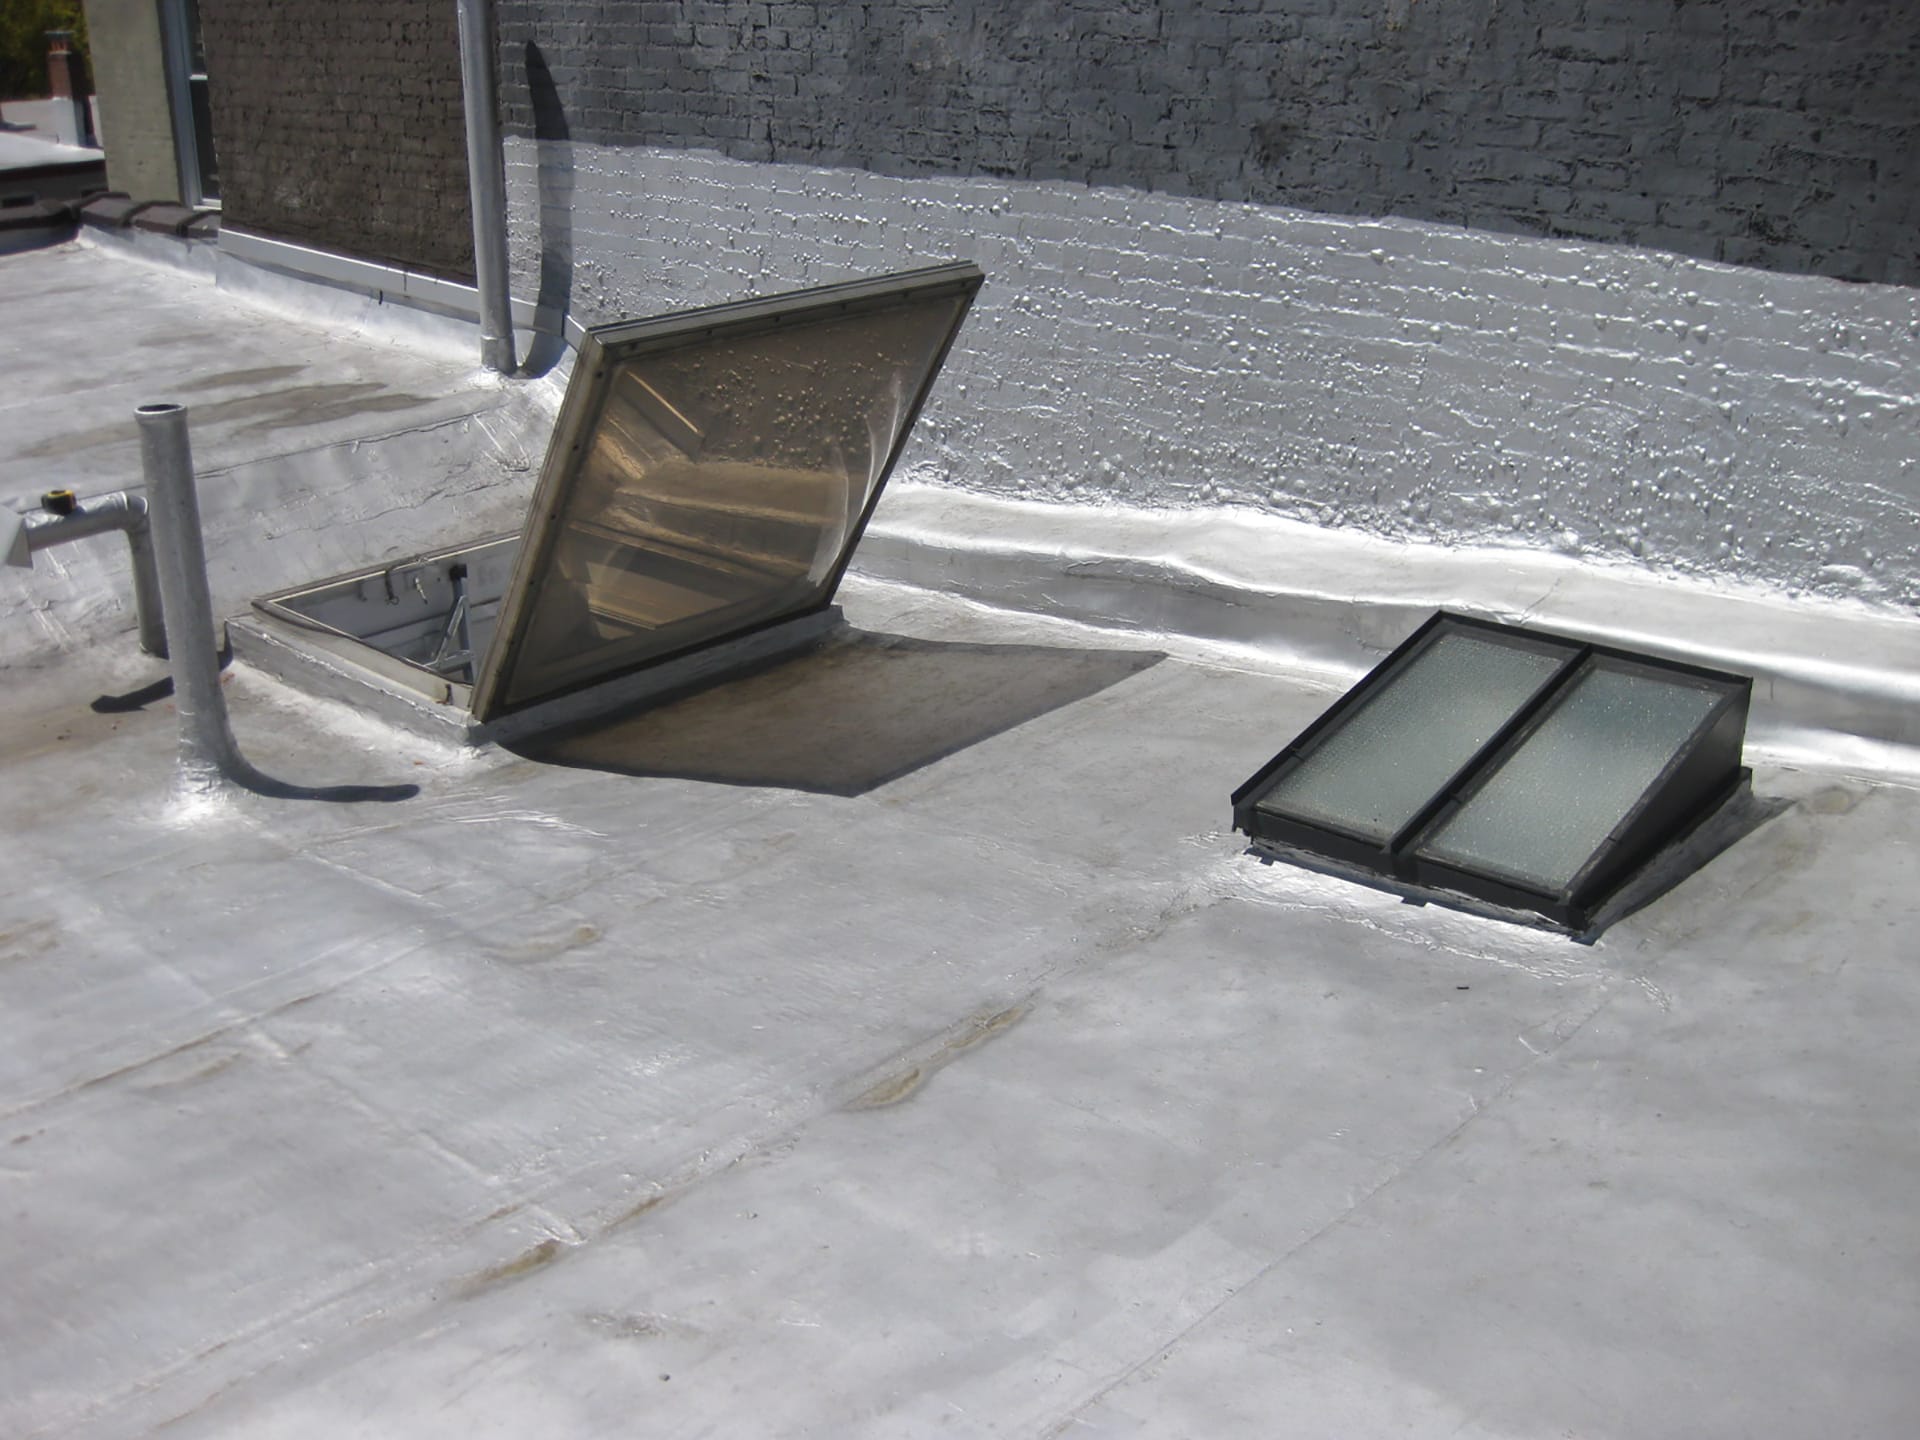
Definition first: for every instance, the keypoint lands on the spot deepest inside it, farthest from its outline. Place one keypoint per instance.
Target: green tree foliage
(23, 42)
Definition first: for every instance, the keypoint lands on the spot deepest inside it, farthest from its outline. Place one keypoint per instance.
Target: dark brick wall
(338, 123)
(1779, 133)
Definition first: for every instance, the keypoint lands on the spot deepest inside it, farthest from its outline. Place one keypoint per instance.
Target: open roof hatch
(708, 478)
(1527, 774)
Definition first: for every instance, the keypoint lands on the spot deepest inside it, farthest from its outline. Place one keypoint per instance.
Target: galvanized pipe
(100, 516)
(208, 754)
(486, 184)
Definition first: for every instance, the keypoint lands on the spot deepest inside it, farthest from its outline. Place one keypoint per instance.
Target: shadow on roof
(859, 711)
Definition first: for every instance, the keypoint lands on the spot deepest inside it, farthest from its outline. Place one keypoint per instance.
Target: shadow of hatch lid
(710, 474)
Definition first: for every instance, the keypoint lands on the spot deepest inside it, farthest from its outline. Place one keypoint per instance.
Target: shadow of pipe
(257, 782)
(553, 151)
(133, 699)
(159, 689)
(245, 775)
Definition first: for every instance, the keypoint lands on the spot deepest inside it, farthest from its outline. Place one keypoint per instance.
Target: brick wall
(1776, 133)
(339, 125)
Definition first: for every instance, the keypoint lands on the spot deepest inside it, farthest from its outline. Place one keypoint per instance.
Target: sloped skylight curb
(1530, 772)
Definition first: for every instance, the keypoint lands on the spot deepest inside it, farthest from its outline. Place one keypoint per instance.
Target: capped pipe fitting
(63, 517)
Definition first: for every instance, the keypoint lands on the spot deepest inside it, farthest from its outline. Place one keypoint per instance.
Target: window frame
(178, 22)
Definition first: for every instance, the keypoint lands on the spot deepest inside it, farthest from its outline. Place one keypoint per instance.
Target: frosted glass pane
(1548, 808)
(1392, 756)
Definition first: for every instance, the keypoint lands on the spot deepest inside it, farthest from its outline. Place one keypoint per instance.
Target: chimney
(65, 82)
(60, 65)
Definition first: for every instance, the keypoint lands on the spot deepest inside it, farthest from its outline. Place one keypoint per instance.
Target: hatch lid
(710, 474)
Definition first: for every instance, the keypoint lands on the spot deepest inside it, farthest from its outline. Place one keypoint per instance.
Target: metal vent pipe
(486, 184)
(208, 754)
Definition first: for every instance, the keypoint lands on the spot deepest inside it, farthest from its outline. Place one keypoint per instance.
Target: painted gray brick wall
(1406, 379)
(1776, 133)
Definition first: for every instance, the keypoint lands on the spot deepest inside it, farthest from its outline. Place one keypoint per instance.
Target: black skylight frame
(1703, 772)
(602, 349)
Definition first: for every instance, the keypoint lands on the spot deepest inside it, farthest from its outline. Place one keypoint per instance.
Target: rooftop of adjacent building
(27, 152)
(897, 1040)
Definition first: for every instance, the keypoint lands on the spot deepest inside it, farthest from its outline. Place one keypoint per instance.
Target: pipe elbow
(97, 515)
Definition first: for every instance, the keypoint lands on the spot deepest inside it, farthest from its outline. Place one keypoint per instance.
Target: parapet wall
(1408, 379)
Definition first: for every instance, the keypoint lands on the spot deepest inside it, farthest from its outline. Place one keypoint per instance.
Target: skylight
(1525, 771)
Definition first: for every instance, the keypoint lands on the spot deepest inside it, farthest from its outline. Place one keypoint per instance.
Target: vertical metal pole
(148, 603)
(486, 185)
(207, 750)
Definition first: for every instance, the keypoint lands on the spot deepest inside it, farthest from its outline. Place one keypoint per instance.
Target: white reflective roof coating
(711, 472)
(1387, 760)
(1540, 816)
(518, 1109)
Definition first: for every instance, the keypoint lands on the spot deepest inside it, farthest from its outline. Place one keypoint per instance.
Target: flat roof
(28, 151)
(717, 1079)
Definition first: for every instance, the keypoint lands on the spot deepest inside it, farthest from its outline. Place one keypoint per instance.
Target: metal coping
(605, 346)
(1702, 771)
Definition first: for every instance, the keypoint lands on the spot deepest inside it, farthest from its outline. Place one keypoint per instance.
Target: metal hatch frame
(601, 349)
(1704, 771)
(281, 606)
